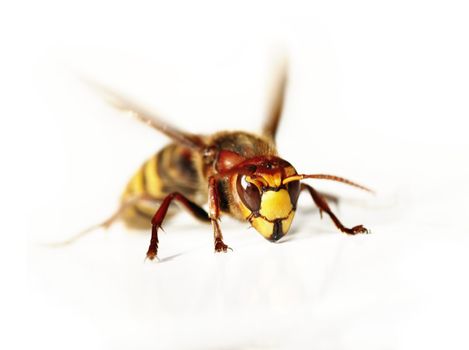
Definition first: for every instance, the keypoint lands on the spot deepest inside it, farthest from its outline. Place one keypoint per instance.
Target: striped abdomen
(173, 169)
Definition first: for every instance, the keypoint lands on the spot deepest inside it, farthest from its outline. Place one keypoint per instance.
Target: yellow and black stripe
(173, 169)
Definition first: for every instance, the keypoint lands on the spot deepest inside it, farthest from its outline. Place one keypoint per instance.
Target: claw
(356, 230)
(151, 255)
(221, 247)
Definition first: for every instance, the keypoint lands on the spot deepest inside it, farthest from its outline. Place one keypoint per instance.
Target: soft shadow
(169, 258)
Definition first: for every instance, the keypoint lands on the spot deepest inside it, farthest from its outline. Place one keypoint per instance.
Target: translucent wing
(276, 102)
(192, 141)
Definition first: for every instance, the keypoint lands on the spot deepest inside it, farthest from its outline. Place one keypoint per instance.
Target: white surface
(378, 94)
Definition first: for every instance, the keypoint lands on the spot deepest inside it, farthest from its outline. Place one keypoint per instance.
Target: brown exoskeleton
(237, 173)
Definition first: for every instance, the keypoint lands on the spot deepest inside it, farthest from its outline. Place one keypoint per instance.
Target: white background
(378, 93)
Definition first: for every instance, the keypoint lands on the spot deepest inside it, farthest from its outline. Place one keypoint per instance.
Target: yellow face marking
(274, 180)
(275, 205)
(266, 228)
(258, 182)
(292, 178)
(286, 223)
(262, 226)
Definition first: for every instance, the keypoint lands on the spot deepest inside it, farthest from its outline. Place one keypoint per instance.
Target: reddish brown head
(263, 198)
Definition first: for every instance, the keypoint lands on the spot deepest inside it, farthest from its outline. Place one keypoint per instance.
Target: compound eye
(294, 192)
(249, 193)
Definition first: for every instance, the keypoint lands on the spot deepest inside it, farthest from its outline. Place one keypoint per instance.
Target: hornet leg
(324, 207)
(160, 214)
(214, 210)
(110, 220)
(330, 198)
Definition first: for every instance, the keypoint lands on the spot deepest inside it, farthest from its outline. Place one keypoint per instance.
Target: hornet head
(267, 201)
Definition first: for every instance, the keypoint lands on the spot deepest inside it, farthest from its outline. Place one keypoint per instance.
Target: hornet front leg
(160, 214)
(324, 207)
(214, 213)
